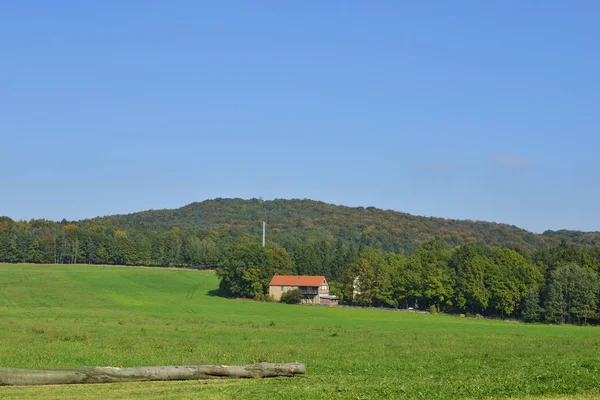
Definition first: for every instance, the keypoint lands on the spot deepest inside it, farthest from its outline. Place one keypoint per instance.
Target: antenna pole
(264, 232)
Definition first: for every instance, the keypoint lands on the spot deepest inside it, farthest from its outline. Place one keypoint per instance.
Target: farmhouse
(315, 289)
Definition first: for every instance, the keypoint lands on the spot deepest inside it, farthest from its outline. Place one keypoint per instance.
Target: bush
(433, 309)
(258, 297)
(292, 297)
(269, 298)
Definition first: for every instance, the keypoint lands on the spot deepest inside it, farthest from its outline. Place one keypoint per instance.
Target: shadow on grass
(218, 293)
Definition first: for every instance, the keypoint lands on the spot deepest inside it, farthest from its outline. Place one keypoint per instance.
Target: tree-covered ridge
(199, 233)
(590, 239)
(371, 257)
(293, 222)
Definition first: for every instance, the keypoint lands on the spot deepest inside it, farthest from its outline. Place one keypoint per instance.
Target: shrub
(433, 309)
(269, 298)
(292, 297)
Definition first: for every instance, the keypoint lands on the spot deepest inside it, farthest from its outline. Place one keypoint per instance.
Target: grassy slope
(60, 316)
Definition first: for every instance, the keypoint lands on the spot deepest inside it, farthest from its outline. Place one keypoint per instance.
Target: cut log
(17, 376)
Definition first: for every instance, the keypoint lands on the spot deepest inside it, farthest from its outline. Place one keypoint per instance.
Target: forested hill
(292, 222)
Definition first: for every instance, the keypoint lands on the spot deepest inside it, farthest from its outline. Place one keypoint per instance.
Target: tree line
(41, 241)
(556, 284)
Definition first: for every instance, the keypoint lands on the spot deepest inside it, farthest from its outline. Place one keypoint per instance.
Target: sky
(466, 109)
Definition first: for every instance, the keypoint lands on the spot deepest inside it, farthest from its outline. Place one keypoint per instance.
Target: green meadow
(69, 316)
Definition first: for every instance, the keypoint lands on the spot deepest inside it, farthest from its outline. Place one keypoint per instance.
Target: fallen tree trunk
(17, 376)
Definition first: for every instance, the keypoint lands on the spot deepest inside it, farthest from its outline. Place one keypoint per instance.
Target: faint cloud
(511, 161)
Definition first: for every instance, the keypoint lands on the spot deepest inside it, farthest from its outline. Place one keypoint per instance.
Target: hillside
(291, 222)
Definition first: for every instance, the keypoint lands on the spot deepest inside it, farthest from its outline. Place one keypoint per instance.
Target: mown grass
(68, 316)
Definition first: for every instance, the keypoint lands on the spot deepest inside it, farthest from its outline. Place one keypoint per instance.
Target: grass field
(67, 316)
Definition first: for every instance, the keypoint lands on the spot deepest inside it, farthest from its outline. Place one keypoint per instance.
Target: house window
(282, 288)
(324, 287)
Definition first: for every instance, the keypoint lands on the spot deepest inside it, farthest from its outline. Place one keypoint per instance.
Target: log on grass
(17, 376)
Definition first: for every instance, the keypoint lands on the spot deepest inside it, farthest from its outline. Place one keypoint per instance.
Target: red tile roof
(297, 280)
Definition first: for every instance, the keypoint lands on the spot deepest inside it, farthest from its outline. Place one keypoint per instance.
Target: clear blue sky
(469, 109)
